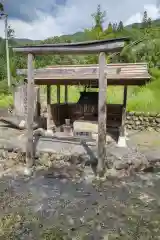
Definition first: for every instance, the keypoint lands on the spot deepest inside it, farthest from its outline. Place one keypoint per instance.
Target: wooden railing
(75, 111)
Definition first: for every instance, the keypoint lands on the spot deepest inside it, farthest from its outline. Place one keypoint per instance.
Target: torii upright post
(30, 113)
(102, 115)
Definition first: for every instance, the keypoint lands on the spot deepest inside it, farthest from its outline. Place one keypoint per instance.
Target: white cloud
(152, 11)
(75, 15)
(42, 28)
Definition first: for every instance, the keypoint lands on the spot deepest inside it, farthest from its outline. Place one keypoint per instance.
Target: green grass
(5, 100)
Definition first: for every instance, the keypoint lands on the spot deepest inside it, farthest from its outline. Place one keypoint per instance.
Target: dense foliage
(143, 47)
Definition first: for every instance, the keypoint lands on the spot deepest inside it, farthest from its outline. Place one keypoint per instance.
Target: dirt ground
(146, 140)
(56, 203)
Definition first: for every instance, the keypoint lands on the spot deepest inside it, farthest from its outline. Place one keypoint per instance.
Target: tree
(10, 32)
(146, 24)
(99, 18)
(114, 27)
(1, 7)
(145, 20)
(120, 26)
(110, 28)
(96, 33)
(149, 23)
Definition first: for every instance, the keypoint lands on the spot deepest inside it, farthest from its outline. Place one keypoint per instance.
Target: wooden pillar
(38, 103)
(125, 96)
(58, 94)
(102, 115)
(48, 107)
(122, 137)
(124, 111)
(30, 112)
(66, 93)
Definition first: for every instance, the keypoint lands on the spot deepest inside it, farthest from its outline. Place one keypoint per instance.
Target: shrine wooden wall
(74, 111)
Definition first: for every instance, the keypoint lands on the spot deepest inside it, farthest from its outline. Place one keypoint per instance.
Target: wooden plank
(122, 130)
(128, 77)
(125, 96)
(117, 74)
(66, 93)
(86, 69)
(102, 115)
(109, 45)
(49, 107)
(93, 83)
(30, 112)
(38, 102)
(58, 94)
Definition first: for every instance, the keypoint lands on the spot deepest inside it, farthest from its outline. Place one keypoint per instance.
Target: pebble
(27, 171)
(82, 220)
(70, 220)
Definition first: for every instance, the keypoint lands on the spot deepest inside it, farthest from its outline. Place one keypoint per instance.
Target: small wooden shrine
(92, 106)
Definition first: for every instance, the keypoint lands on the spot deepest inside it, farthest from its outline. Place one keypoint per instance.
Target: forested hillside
(144, 47)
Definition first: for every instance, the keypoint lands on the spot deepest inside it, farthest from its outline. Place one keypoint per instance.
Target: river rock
(128, 117)
(112, 173)
(138, 123)
(141, 118)
(138, 114)
(131, 113)
(153, 114)
(157, 120)
(135, 118)
(121, 164)
(146, 119)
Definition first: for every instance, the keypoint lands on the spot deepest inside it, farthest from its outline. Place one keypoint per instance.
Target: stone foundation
(142, 121)
(118, 163)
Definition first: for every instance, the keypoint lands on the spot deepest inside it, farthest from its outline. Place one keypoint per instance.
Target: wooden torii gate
(92, 47)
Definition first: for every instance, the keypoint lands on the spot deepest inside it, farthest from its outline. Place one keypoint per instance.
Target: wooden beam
(110, 45)
(66, 93)
(58, 94)
(102, 115)
(93, 83)
(114, 71)
(48, 107)
(30, 112)
(133, 69)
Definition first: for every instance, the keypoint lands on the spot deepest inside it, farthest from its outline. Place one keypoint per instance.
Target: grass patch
(24, 226)
(5, 100)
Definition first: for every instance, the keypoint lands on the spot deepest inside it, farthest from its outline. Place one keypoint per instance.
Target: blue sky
(33, 20)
